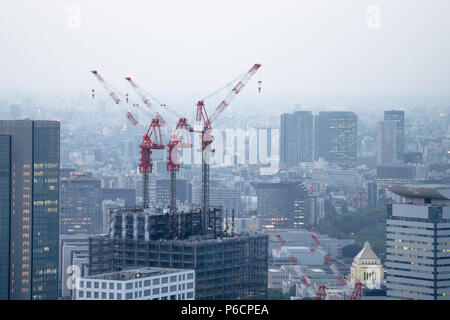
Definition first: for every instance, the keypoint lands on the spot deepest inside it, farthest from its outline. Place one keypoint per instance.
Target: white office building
(138, 284)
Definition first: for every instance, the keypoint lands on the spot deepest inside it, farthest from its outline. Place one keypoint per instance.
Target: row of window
(136, 295)
(137, 284)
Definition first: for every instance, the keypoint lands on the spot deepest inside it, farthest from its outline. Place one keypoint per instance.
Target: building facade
(399, 117)
(138, 284)
(367, 268)
(417, 243)
(33, 209)
(386, 150)
(81, 205)
(336, 138)
(296, 138)
(281, 205)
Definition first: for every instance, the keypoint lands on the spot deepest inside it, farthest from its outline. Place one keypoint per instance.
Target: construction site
(228, 266)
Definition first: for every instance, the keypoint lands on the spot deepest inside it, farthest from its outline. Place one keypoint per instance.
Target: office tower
(34, 208)
(184, 191)
(417, 245)
(281, 205)
(81, 205)
(399, 118)
(386, 152)
(5, 211)
(227, 266)
(372, 194)
(336, 138)
(296, 138)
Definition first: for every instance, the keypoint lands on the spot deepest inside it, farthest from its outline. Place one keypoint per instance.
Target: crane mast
(206, 129)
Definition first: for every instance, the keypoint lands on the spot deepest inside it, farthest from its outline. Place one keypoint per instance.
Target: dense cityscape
(111, 194)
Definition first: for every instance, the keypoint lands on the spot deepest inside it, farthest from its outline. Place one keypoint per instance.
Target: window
(95, 295)
(119, 296)
(81, 294)
(173, 278)
(190, 295)
(119, 286)
(103, 295)
(81, 284)
(129, 296)
(156, 291)
(190, 276)
(164, 280)
(173, 288)
(190, 285)
(88, 284)
(155, 281)
(88, 294)
(96, 285)
(147, 283)
(147, 293)
(111, 285)
(164, 290)
(111, 296)
(103, 285)
(129, 286)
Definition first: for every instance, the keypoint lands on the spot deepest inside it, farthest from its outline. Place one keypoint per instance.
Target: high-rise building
(386, 152)
(399, 117)
(336, 138)
(81, 205)
(372, 194)
(227, 266)
(33, 151)
(296, 138)
(395, 175)
(417, 243)
(281, 205)
(5, 212)
(219, 196)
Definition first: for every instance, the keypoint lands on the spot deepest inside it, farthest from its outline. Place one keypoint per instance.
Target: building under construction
(228, 266)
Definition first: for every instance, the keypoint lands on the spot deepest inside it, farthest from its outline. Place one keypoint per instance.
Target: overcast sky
(194, 46)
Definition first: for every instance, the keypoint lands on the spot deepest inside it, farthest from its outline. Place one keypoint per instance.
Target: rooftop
(432, 191)
(132, 274)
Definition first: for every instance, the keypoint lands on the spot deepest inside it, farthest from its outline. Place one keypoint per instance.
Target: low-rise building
(138, 284)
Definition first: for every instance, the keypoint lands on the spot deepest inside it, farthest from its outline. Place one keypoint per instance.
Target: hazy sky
(194, 46)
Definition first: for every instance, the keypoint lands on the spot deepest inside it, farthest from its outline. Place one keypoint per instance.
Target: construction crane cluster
(179, 137)
(354, 293)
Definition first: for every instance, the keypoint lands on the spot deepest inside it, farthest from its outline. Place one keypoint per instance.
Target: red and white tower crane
(113, 93)
(354, 293)
(205, 122)
(320, 295)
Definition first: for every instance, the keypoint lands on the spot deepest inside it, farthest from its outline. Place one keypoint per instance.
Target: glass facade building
(336, 138)
(34, 208)
(5, 210)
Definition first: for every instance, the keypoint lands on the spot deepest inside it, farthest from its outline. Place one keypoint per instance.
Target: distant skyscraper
(81, 205)
(372, 194)
(386, 151)
(336, 138)
(282, 205)
(417, 245)
(399, 118)
(31, 148)
(296, 138)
